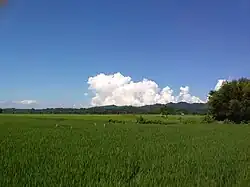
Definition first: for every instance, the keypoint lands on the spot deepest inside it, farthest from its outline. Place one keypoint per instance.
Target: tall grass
(56, 150)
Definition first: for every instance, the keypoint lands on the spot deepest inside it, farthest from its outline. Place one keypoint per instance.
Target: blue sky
(49, 49)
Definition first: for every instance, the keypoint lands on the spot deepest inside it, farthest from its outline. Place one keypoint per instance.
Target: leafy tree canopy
(231, 101)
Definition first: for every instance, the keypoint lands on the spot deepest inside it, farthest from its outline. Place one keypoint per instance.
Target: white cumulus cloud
(219, 84)
(117, 89)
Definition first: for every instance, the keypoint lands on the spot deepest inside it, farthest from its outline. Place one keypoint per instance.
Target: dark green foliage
(1, 110)
(165, 111)
(171, 109)
(189, 121)
(208, 119)
(187, 108)
(231, 101)
(116, 121)
(141, 120)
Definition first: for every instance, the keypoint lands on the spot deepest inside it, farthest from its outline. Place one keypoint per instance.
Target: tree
(231, 101)
(165, 111)
(1, 110)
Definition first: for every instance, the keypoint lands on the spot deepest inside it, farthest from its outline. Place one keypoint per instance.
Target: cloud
(19, 104)
(117, 89)
(86, 94)
(219, 84)
(26, 102)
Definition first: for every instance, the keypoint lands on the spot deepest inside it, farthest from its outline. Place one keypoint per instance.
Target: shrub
(188, 121)
(227, 121)
(140, 120)
(208, 119)
(116, 121)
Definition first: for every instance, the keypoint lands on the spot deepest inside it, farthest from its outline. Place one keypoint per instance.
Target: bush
(188, 121)
(208, 119)
(116, 121)
(227, 121)
(141, 120)
(180, 119)
(231, 102)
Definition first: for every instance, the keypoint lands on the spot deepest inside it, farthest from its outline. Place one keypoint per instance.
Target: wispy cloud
(19, 104)
(26, 102)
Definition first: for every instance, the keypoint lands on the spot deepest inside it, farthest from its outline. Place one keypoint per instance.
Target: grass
(34, 152)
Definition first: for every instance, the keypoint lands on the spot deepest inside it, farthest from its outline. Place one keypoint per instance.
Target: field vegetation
(119, 150)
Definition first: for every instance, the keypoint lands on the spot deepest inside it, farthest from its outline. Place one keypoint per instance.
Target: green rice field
(87, 150)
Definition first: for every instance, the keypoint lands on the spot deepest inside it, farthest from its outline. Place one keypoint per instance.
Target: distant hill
(192, 108)
(173, 108)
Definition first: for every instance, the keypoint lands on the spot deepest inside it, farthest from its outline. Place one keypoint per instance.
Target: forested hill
(172, 108)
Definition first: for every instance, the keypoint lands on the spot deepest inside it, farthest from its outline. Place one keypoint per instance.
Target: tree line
(171, 108)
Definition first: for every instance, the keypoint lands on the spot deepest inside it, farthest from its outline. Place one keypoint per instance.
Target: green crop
(87, 150)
